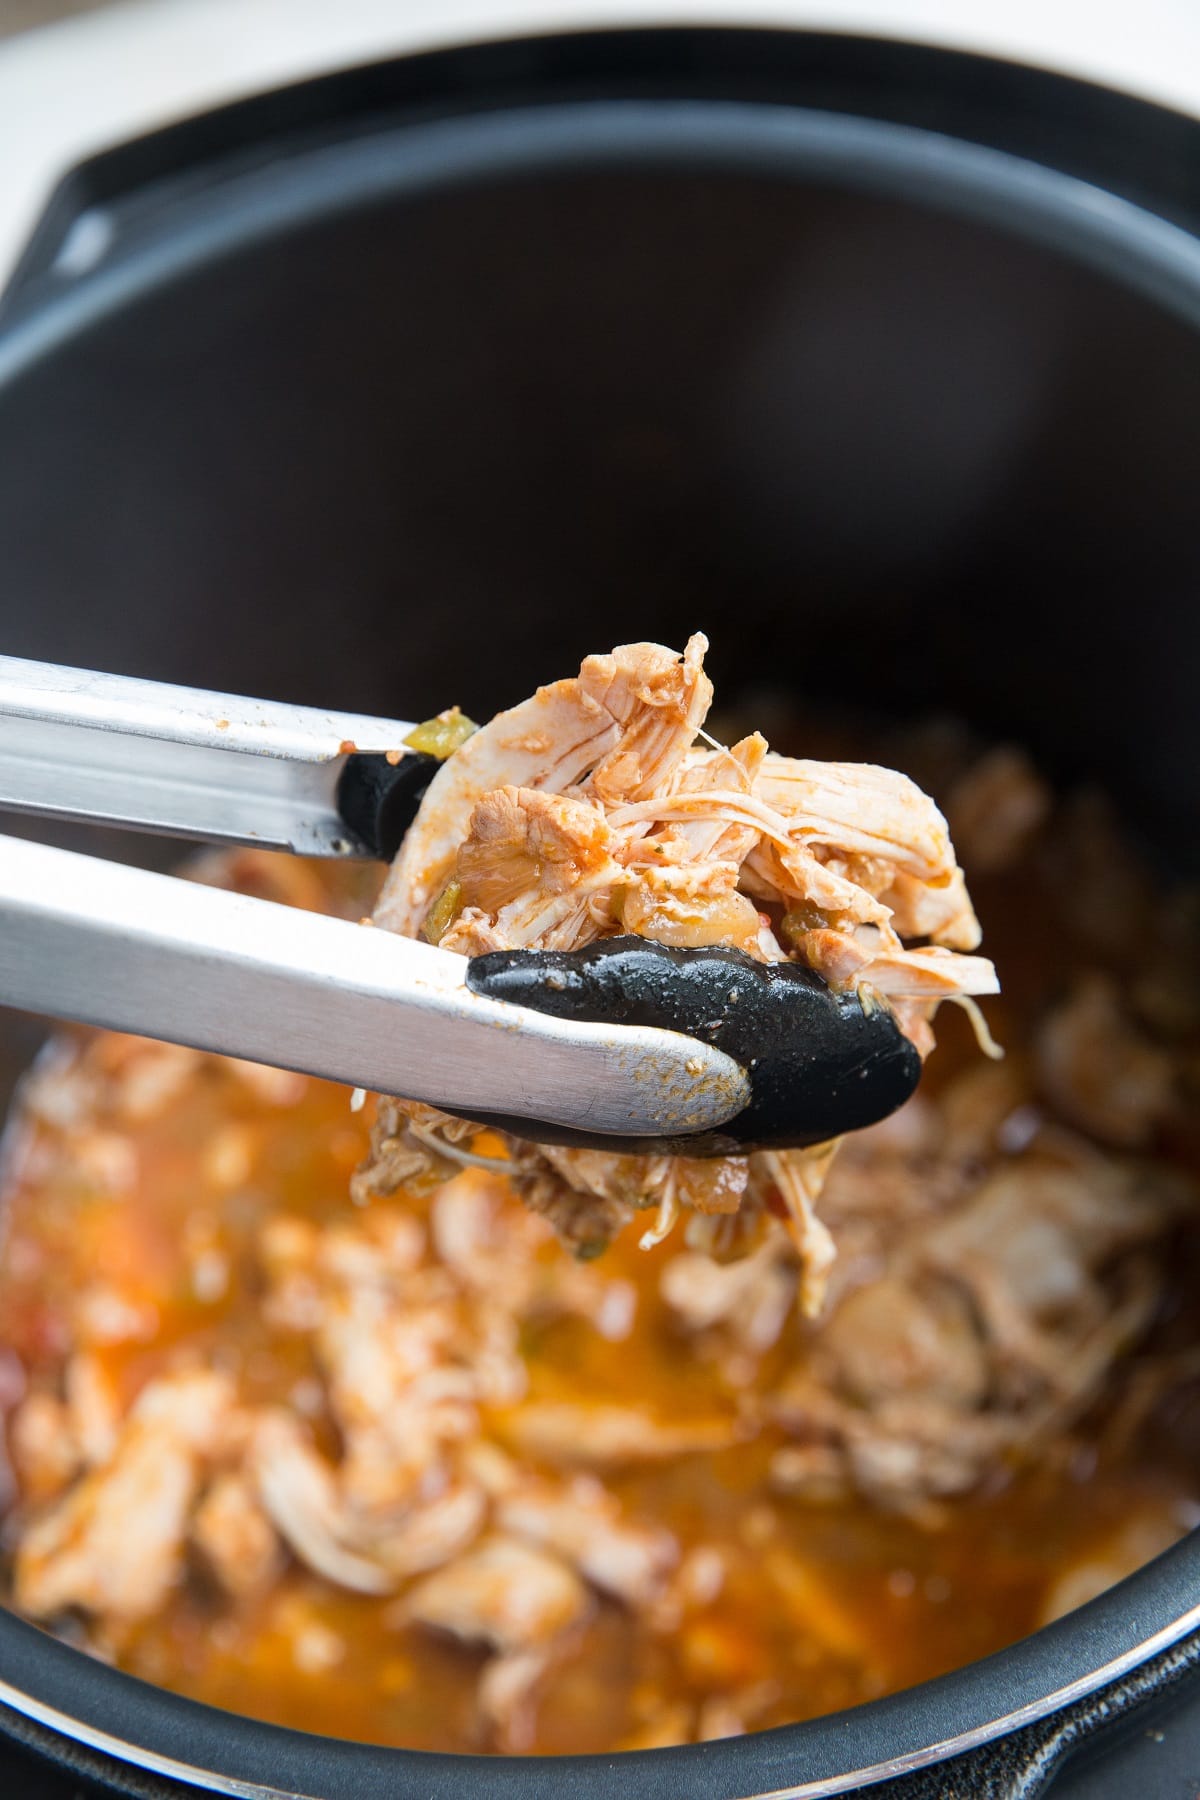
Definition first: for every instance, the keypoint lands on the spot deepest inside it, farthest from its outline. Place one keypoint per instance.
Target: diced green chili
(442, 736)
(442, 913)
(804, 917)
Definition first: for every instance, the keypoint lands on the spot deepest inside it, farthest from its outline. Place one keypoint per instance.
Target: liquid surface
(134, 1230)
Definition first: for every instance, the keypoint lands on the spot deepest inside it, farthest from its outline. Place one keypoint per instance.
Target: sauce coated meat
(599, 808)
(402, 1470)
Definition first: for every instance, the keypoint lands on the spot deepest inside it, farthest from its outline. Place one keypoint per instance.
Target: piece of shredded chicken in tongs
(598, 808)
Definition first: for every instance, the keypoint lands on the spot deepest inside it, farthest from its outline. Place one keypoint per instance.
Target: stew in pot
(310, 1416)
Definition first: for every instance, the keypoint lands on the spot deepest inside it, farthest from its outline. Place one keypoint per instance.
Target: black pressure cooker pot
(415, 383)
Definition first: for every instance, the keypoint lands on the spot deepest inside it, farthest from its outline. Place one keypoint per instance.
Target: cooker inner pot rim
(1133, 247)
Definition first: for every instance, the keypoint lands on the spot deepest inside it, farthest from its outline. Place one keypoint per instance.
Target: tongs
(626, 1045)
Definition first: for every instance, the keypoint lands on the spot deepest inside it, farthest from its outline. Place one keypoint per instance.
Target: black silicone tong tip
(377, 800)
(819, 1063)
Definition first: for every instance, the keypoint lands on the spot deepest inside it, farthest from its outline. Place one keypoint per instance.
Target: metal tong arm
(117, 750)
(119, 947)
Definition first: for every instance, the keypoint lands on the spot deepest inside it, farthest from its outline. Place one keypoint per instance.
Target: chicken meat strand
(593, 809)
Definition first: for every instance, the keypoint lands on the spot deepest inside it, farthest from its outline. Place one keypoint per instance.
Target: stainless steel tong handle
(119, 947)
(77, 744)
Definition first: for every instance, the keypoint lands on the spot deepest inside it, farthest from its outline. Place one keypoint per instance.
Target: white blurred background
(78, 75)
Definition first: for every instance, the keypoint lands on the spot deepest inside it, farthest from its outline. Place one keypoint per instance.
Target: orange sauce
(821, 1607)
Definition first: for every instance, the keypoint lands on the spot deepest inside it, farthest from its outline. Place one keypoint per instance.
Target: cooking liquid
(821, 1606)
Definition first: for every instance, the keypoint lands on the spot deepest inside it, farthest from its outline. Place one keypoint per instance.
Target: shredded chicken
(593, 809)
(569, 1435)
(114, 1544)
(1101, 1071)
(990, 1289)
(750, 1298)
(412, 1327)
(582, 1522)
(996, 809)
(580, 1488)
(522, 1604)
(234, 1533)
(506, 1595)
